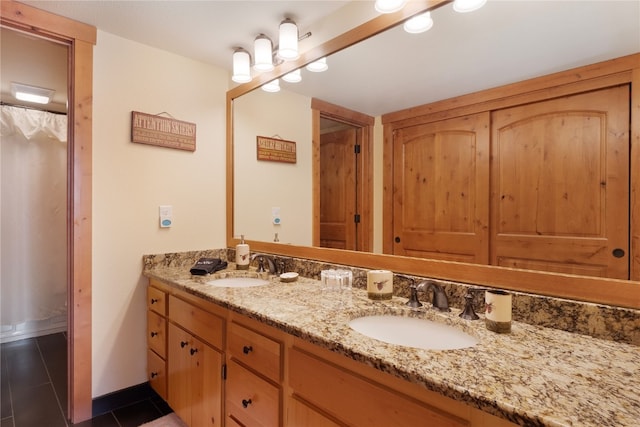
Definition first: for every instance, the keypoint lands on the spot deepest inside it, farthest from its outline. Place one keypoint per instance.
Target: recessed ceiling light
(28, 93)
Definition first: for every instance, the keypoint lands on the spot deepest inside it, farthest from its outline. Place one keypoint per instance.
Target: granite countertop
(532, 376)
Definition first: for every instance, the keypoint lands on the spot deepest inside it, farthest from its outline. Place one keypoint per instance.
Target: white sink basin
(238, 282)
(412, 332)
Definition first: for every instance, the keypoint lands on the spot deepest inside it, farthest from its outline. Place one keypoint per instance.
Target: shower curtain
(33, 210)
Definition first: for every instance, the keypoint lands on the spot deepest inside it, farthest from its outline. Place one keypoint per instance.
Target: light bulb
(419, 23)
(389, 6)
(464, 6)
(288, 41)
(263, 53)
(241, 66)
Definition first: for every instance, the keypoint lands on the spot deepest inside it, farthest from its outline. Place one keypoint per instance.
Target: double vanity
(244, 348)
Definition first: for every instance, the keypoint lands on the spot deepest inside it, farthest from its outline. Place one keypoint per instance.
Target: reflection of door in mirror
(559, 177)
(340, 204)
(441, 190)
(343, 178)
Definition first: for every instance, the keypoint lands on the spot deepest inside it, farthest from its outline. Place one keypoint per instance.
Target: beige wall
(263, 185)
(131, 180)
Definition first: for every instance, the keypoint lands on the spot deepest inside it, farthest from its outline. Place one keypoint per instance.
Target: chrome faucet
(271, 262)
(439, 301)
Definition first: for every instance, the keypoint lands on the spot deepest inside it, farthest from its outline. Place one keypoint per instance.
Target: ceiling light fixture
(293, 77)
(464, 6)
(241, 66)
(419, 23)
(263, 53)
(288, 41)
(389, 6)
(318, 66)
(272, 86)
(28, 93)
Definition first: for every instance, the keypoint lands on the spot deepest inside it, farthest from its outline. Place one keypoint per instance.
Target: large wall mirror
(503, 43)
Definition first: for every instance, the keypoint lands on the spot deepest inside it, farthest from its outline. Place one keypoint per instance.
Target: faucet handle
(469, 312)
(414, 302)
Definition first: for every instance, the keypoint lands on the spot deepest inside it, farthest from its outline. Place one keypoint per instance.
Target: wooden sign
(276, 150)
(162, 131)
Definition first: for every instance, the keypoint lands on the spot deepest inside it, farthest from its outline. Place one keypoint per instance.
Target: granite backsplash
(596, 320)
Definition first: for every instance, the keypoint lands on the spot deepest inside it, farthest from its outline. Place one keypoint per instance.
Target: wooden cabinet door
(338, 180)
(206, 386)
(195, 379)
(560, 185)
(441, 190)
(179, 370)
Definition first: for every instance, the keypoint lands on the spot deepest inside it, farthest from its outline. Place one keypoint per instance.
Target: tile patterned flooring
(33, 392)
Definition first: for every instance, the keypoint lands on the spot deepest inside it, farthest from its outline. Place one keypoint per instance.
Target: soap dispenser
(242, 255)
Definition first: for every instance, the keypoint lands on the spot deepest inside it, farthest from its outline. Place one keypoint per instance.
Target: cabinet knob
(618, 253)
(247, 349)
(154, 334)
(397, 239)
(246, 403)
(154, 374)
(183, 344)
(193, 351)
(154, 300)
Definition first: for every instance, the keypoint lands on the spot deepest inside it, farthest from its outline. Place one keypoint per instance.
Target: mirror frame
(613, 292)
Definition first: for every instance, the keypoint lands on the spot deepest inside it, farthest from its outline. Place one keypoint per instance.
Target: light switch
(166, 216)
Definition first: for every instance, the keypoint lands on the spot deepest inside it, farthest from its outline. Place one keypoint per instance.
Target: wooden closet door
(560, 185)
(441, 190)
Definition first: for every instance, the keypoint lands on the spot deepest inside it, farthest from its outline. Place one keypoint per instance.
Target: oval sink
(238, 282)
(412, 332)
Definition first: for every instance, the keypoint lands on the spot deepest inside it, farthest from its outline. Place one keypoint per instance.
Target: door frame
(80, 38)
(365, 124)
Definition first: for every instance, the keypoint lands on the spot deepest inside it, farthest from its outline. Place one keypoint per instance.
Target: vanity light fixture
(419, 23)
(241, 66)
(28, 93)
(318, 66)
(272, 86)
(288, 41)
(263, 53)
(463, 6)
(389, 6)
(293, 77)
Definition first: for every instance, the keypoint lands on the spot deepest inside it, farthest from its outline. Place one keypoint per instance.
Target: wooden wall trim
(80, 38)
(333, 110)
(635, 178)
(34, 20)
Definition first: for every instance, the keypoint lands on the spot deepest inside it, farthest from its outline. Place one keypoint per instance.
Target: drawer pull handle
(193, 351)
(154, 300)
(153, 334)
(154, 374)
(246, 403)
(183, 344)
(247, 349)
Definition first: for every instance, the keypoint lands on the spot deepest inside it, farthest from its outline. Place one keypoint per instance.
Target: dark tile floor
(33, 393)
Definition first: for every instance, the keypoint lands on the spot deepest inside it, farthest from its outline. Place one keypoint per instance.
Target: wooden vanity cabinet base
(274, 379)
(328, 389)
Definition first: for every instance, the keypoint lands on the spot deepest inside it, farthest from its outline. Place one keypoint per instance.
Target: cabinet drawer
(356, 400)
(255, 350)
(157, 373)
(157, 300)
(200, 323)
(157, 333)
(250, 400)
